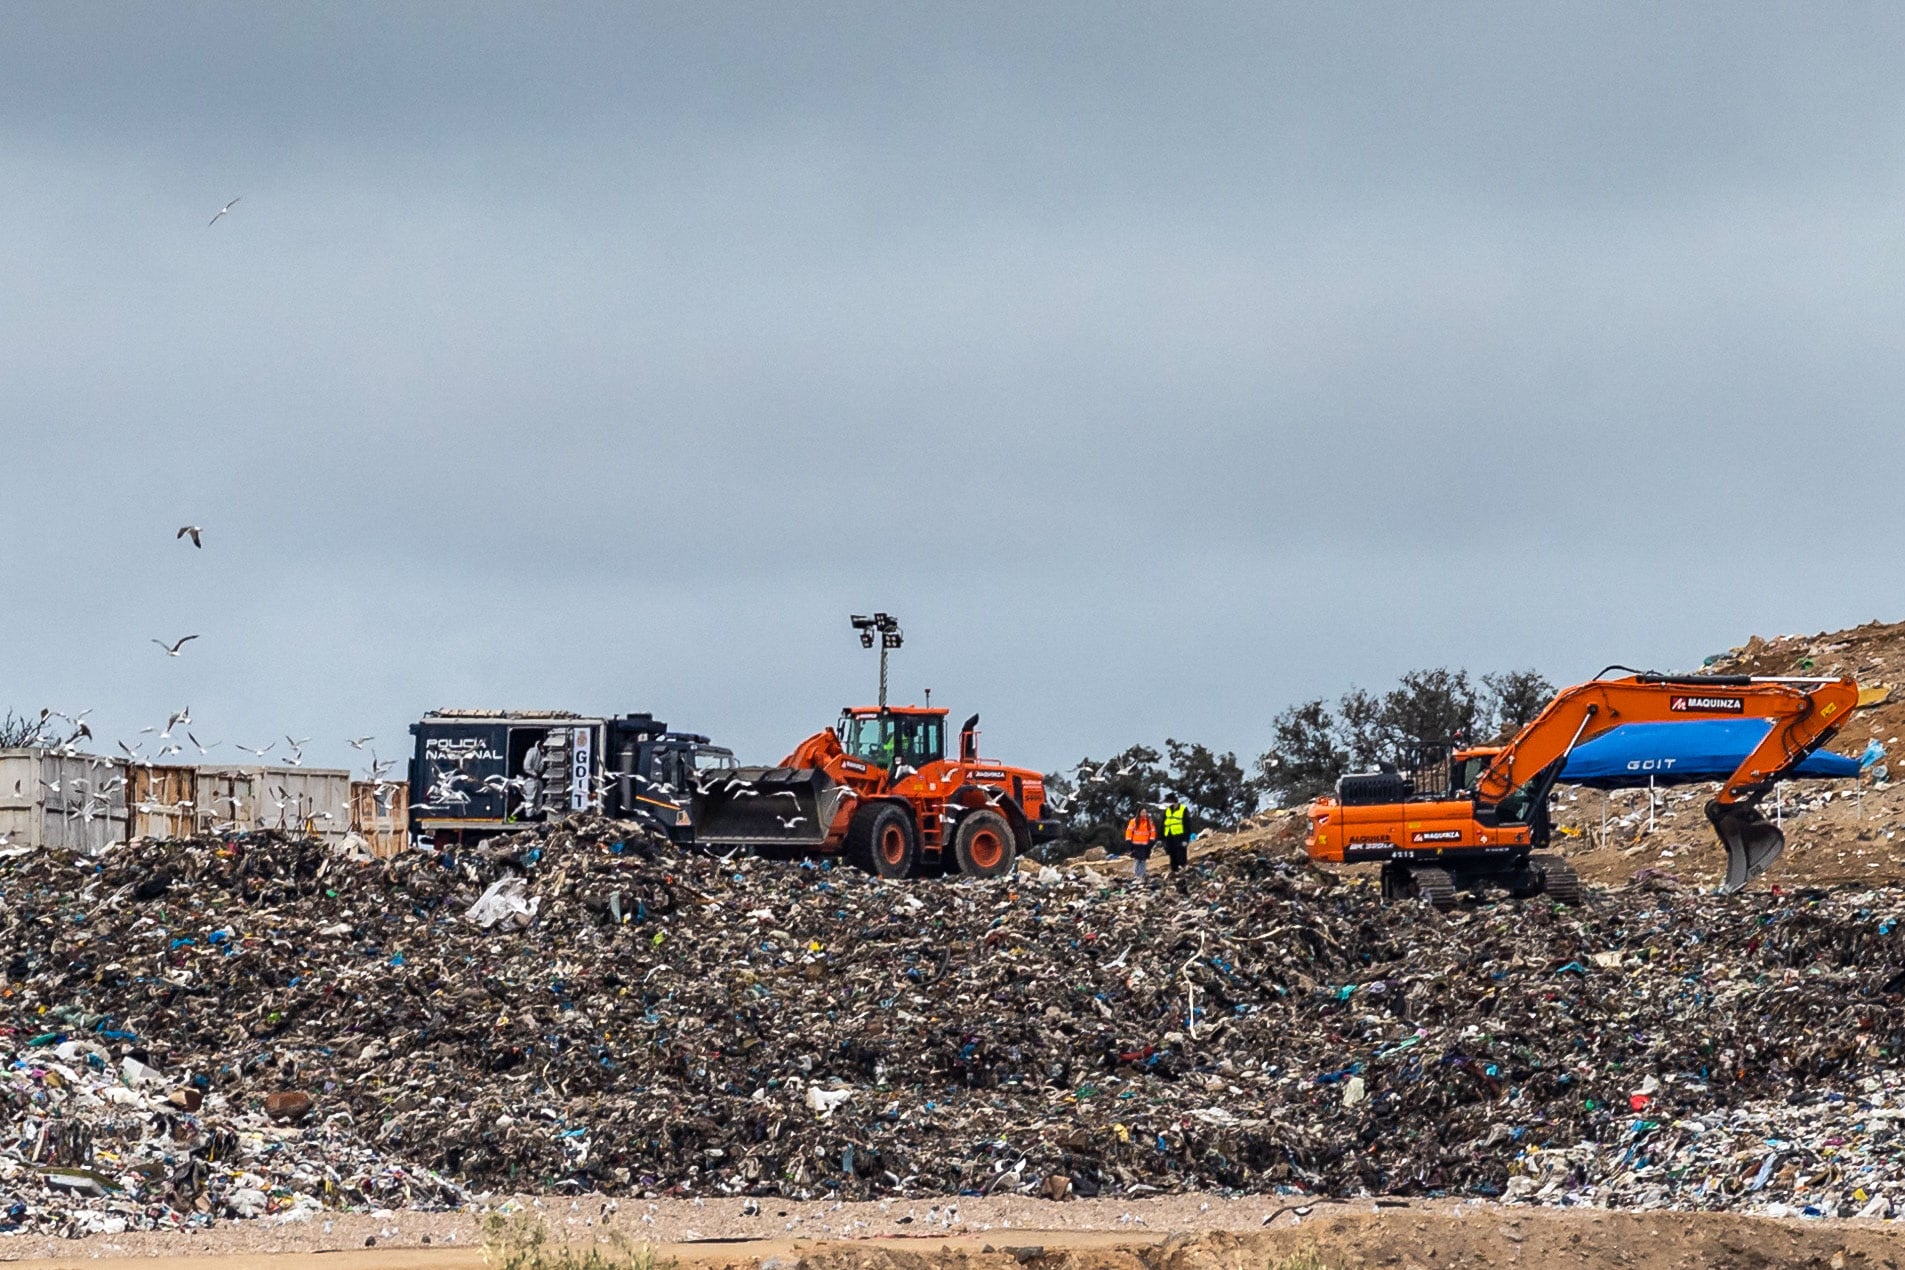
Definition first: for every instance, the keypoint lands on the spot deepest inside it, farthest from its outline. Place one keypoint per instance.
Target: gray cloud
(1159, 365)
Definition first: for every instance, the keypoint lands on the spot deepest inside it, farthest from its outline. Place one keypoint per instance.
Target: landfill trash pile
(257, 1026)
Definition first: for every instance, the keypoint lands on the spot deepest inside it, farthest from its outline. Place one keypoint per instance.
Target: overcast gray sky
(1159, 365)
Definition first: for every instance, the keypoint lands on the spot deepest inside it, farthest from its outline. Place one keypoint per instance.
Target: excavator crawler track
(1559, 881)
(1434, 885)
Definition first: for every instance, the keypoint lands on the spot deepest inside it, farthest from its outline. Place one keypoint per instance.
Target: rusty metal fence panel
(164, 801)
(380, 814)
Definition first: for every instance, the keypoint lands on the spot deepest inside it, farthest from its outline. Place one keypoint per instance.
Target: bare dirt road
(1165, 1233)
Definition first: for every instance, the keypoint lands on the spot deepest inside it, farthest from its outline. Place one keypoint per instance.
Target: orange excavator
(1485, 821)
(879, 789)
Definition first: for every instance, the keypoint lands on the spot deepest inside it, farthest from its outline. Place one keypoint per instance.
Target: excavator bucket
(1753, 842)
(767, 806)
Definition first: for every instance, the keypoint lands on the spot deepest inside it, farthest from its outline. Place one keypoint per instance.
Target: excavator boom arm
(1828, 704)
(1804, 713)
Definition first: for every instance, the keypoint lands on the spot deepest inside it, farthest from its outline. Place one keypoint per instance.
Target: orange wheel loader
(1488, 820)
(880, 790)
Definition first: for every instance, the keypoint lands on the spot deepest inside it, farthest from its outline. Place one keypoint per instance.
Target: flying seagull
(172, 650)
(221, 211)
(193, 530)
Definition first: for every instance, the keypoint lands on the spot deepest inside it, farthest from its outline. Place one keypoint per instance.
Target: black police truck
(477, 773)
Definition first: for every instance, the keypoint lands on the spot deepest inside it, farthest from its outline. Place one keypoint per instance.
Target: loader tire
(880, 839)
(983, 844)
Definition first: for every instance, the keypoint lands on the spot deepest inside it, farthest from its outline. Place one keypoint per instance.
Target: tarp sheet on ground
(1678, 753)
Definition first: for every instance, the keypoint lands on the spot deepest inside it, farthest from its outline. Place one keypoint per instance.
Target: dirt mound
(1874, 654)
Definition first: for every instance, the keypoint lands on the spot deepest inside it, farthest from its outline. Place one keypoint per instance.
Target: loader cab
(887, 738)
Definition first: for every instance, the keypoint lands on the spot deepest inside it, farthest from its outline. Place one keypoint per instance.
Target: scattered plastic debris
(257, 1026)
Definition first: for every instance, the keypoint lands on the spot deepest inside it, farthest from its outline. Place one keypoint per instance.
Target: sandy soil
(1163, 1233)
(1858, 838)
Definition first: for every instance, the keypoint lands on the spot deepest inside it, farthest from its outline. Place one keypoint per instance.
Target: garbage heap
(258, 1025)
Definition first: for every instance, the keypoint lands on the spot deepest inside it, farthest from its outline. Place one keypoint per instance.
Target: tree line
(1312, 744)
(49, 730)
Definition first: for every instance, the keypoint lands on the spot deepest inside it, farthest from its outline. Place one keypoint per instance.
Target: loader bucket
(768, 806)
(1753, 843)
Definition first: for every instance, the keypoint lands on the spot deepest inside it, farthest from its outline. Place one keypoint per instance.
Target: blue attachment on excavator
(1684, 753)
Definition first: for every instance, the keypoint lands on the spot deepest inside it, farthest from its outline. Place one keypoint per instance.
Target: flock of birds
(1085, 777)
(455, 786)
(89, 797)
(446, 789)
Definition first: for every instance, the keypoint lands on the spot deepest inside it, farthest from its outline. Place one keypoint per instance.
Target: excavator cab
(1467, 765)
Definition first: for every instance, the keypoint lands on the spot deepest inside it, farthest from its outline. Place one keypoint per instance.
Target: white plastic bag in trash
(136, 1073)
(824, 1102)
(505, 906)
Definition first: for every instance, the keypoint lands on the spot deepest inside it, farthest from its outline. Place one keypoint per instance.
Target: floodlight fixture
(889, 636)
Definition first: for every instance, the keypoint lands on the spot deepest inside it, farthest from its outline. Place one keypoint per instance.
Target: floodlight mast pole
(885, 628)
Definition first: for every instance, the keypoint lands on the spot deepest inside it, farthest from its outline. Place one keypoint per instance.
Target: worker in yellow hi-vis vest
(1176, 841)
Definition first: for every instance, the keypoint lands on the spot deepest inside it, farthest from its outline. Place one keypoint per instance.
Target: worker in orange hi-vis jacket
(1140, 832)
